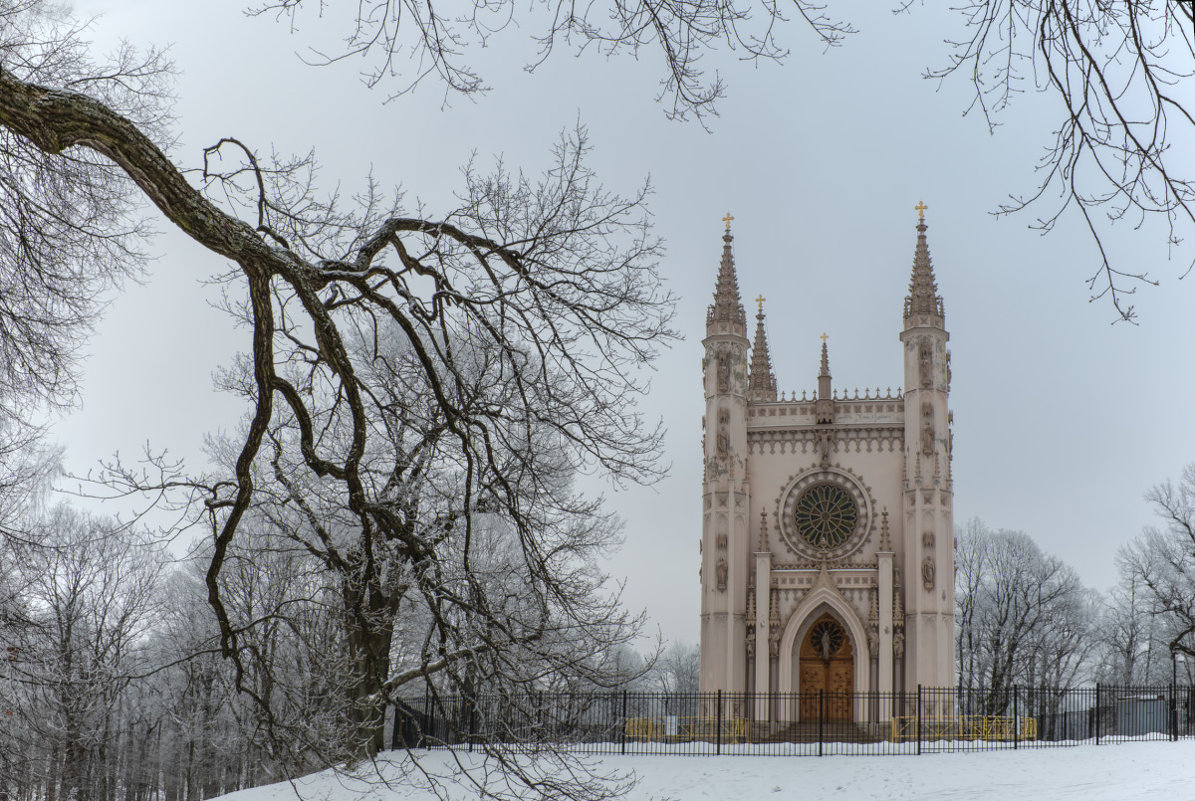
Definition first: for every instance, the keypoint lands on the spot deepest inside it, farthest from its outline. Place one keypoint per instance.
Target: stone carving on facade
(764, 546)
(824, 440)
(927, 572)
(774, 625)
(898, 643)
(723, 440)
(950, 435)
(926, 365)
(723, 372)
(927, 428)
(750, 622)
(722, 542)
(873, 624)
(927, 539)
(722, 570)
(885, 537)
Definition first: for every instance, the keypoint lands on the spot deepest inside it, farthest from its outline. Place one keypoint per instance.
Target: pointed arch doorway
(827, 670)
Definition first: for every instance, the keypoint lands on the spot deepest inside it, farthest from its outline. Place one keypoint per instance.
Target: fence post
(1016, 718)
(394, 730)
(1097, 713)
(624, 721)
(1173, 713)
(1187, 713)
(821, 716)
(719, 724)
(472, 721)
(427, 718)
(918, 721)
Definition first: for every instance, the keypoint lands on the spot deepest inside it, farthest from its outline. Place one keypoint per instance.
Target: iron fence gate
(927, 719)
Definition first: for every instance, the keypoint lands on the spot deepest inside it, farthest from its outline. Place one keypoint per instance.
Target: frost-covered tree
(1161, 563)
(1132, 641)
(1021, 617)
(552, 278)
(452, 594)
(89, 589)
(678, 668)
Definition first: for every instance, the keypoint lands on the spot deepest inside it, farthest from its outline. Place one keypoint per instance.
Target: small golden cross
(760, 301)
(824, 336)
(921, 207)
(727, 219)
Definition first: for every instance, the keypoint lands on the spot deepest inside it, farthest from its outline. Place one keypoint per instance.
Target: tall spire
(763, 382)
(923, 300)
(823, 409)
(727, 306)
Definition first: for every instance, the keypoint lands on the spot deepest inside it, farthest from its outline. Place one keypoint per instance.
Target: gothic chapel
(828, 523)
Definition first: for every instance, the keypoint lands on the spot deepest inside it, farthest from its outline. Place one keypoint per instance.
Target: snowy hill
(1134, 771)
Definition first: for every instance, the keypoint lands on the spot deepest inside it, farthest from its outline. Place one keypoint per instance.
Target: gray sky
(1062, 421)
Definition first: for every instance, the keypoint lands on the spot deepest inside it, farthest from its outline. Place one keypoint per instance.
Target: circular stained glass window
(825, 516)
(827, 638)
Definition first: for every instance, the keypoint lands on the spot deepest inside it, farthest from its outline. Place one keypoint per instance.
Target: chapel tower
(827, 527)
(928, 488)
(725, 492)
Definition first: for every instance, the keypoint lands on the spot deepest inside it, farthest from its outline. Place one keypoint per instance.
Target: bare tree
(1132, 638)
(1115, 72)
(1022, 616)
(678, 669)
(1163, 561)
(90, 588)
(550, 281)
(69, 227)
(405, 42)
(451, 596)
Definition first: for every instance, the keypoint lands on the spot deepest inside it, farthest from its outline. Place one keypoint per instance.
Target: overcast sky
(1062, 420)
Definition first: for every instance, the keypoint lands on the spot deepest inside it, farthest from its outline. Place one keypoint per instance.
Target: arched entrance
(827, 665)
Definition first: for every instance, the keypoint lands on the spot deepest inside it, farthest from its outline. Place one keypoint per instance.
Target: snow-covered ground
(1130, 771)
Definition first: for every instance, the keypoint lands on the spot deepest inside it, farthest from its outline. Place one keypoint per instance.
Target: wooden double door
(827, 665)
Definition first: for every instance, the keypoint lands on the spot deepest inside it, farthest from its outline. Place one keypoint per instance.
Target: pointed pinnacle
(763, 381)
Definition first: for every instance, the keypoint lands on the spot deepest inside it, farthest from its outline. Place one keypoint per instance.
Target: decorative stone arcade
(827, 528)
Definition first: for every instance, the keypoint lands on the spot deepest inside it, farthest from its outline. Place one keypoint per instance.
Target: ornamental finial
(921, 207)
(728, 220)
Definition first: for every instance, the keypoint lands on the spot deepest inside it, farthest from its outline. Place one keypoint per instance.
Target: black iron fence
(924, 720)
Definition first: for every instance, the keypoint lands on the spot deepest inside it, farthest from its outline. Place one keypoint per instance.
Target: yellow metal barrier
(963, 727)
(687, 729)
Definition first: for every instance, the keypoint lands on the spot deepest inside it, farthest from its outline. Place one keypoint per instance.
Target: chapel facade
(828, 521)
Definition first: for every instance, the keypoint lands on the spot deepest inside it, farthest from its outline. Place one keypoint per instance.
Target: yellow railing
(687, 729)
(963, 727)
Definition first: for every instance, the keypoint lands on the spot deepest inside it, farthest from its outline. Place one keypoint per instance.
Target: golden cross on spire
(760, 301)
(727, 219)
(825, 336)
(921, 207)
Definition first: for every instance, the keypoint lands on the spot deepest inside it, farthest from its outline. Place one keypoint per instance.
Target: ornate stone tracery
(825, 516)
(825, 513)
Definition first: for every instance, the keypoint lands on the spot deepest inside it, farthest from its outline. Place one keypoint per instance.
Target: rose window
(825, 516)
